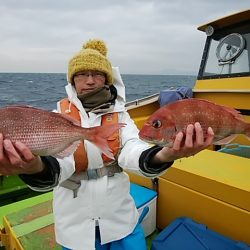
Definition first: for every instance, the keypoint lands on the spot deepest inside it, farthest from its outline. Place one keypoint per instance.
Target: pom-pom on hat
(92, 56)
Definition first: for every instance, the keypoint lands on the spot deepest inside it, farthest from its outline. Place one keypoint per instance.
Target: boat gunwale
(142, 101)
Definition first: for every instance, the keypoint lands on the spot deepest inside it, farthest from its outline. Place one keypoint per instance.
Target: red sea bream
(163, 125)
(49, 133)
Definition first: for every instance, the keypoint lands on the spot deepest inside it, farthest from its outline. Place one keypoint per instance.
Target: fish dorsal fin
(235, 113)
(24, 107)
(69, 118)
(67, 151)
(225, 140)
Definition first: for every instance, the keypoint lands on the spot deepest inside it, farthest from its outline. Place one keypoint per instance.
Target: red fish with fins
(49, 133)
(164, 124)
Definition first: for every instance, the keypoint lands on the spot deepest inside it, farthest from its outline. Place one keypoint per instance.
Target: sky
(142, 36)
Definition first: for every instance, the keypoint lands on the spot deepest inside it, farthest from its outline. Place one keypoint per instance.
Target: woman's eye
(156, 124)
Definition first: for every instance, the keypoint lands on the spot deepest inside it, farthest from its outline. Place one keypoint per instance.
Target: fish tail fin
(99, 136)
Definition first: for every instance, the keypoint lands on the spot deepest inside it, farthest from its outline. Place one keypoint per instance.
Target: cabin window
(227, 53)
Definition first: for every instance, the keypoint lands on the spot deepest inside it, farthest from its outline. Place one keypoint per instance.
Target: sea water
(43, 90)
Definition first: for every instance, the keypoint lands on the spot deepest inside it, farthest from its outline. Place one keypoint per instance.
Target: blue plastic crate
(236, 149)
(184, 234)
(141, 195)
(145, 201)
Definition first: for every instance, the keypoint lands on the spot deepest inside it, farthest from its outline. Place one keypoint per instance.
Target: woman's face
(87, 81)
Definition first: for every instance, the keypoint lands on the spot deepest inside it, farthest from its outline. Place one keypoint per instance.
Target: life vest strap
(74, 182)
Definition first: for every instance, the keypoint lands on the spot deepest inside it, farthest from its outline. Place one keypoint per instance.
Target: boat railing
(142, 101)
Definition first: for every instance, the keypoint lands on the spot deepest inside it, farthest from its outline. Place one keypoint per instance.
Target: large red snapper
(49, 133)
(164, 124)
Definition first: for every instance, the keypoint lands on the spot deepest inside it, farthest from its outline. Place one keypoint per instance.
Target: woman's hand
(16, 158)
(189, 145)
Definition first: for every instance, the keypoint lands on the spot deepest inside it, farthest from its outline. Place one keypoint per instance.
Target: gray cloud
(143, 36)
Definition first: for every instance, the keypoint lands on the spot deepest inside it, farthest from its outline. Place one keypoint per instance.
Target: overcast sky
(143, 36)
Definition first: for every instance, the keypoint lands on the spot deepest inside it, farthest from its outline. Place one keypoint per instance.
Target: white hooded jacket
(105, 201)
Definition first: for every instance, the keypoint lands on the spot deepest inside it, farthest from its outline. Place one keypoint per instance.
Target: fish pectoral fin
(67, 151)
(225, 140)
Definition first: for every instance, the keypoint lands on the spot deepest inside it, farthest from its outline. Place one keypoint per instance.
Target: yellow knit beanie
(92, 56)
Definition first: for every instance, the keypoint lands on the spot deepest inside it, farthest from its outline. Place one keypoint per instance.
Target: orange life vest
(80, 155)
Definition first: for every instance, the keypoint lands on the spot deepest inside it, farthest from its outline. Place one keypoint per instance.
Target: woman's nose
(90, 79)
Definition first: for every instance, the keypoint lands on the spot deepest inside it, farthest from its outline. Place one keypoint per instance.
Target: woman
(92, 203)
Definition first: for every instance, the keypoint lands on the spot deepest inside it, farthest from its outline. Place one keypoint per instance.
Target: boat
(211, 188)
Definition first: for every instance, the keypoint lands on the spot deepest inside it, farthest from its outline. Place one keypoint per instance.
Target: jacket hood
(118, 84)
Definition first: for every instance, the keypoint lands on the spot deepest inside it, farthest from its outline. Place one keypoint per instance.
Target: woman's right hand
(16, 158)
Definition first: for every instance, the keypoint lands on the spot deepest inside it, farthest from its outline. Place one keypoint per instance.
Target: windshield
(227, 53)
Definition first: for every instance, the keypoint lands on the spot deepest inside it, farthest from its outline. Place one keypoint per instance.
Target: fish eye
(156, 124)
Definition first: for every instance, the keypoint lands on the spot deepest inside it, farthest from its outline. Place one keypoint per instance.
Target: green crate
(31, 228)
